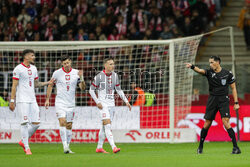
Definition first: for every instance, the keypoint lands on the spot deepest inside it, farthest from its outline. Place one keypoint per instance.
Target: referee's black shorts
(215, 104)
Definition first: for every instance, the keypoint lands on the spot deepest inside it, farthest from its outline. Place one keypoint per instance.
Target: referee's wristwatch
(236, 102)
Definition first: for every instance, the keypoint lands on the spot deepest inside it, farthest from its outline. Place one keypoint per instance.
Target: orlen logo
(133, 133)
(48, 134)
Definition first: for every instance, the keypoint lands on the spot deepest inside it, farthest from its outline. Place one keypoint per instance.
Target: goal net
(155, 69)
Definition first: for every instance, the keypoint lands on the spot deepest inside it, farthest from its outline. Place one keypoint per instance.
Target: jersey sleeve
(231, 78)
(96, 82)
(117, 81)
(54, 76)
(36, 74)
(16, 74)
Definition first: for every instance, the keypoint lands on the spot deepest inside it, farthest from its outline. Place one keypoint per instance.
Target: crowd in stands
(244, 22)
(77, 20)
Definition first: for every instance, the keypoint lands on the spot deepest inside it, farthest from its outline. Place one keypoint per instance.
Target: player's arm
(81, 84)
(123, 97)
(41, 84)
(235, 96)
(121, 93)
(49, 90)
(195, 68)
(92, 93)
(13, 94)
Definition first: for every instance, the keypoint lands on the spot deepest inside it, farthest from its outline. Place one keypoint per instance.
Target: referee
(218, 79)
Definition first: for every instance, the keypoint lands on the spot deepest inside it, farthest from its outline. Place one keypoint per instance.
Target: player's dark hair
(26, 51)
(107, 59)
(216, 58)
(65, 57)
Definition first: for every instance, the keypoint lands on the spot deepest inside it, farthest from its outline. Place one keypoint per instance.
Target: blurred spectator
(133, 19)
(44, 16)
(187, 28)
(114, 35)
(61, 18)
(121, 27)
(30, 9)
(29, 33)
(167, 9)
(21, 36)
(4, 102)
(137, 97)
(51, 32)
(150, 98)
(197, 23)
(81, 35)
(37, 37)
(138, 19)
(244, 22)
(167, 33)
(4, 17)
(124, 12)
(100, 8)
(92, 36)
(65, 8)
(36, 25)
(99, 34)
(134, 34)
(155, 23)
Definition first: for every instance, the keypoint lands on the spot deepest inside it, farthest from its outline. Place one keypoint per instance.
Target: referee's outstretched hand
(188, 65)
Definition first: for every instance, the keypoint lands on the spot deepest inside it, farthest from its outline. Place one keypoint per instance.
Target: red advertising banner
(217, 132)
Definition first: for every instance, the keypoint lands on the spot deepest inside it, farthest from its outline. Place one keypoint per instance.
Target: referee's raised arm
(195, 68)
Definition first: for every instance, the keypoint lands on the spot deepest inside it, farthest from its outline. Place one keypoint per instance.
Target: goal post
(155, 66)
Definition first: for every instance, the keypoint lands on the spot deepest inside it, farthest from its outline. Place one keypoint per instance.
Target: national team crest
(29, 72)
(67, 77)
(223, 81)
(109, 80)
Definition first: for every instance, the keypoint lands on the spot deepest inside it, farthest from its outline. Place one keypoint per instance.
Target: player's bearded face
(31, 58)
(66, 64)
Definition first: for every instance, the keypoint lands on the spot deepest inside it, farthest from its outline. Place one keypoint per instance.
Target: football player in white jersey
(25, 80)
(106, 82)
(66, 80)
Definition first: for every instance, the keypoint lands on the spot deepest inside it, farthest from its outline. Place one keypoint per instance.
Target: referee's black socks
(231, 134)
(203, 137)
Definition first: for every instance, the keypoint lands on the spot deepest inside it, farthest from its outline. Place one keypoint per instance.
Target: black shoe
(199, 150)
(236, 150)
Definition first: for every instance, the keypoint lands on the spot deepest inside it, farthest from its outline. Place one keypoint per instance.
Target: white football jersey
(66, 83)
(106, 86)
(25, 88)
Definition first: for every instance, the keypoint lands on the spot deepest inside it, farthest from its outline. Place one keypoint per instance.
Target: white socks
(25, 135)
(63, 136)
(109, 135)
(101, 137)
(69, 135)
(32, 128)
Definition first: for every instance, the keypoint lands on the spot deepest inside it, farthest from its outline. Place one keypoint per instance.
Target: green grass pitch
(216, 154)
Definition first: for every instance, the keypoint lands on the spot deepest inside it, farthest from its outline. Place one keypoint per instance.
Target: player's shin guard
(69, 135)
(203, 136)
(109, 135)
(25, 135)
(101, 137)
(63, 136)
(32, 129)
(231, 134)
